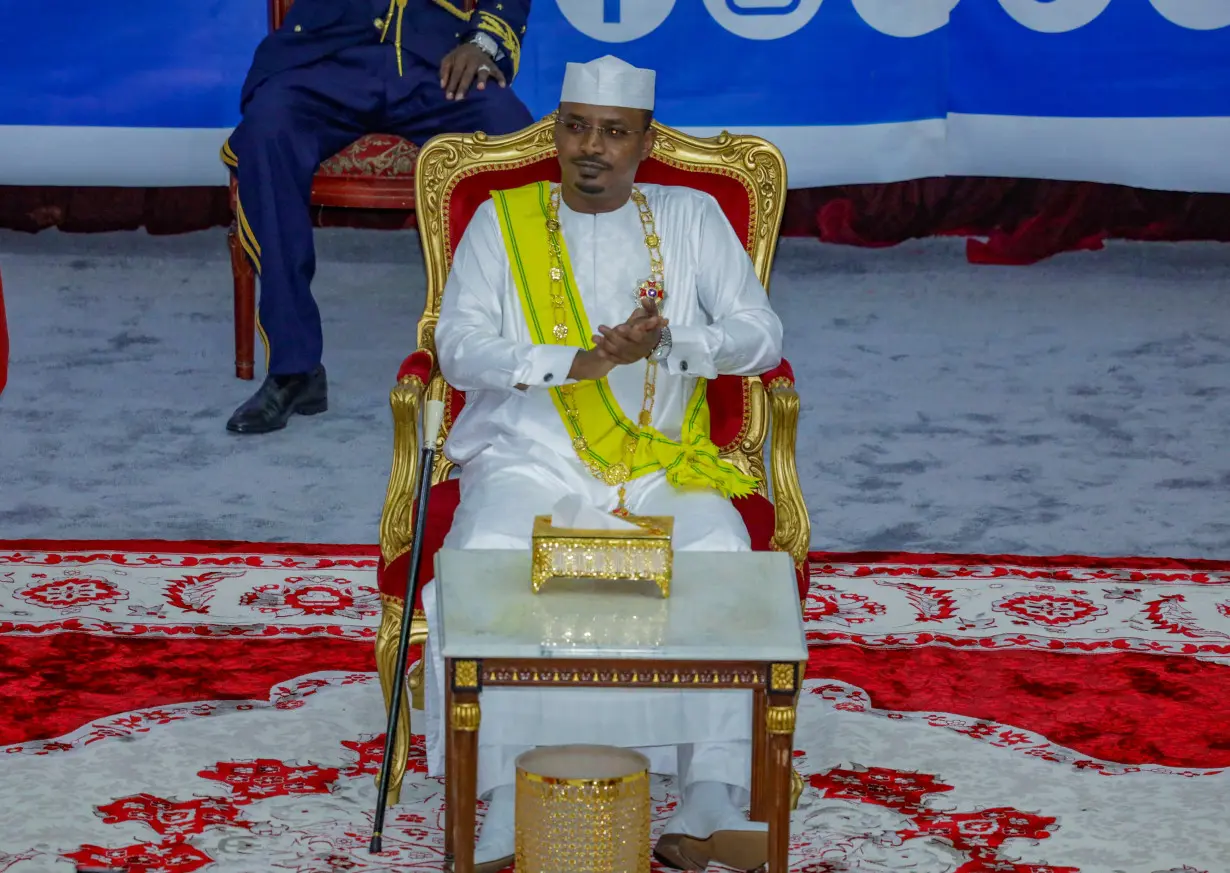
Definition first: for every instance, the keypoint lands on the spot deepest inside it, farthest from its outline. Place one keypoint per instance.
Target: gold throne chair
(455, 175)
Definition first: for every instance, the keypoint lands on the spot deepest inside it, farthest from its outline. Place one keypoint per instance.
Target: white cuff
(690, 354)
(546, 367)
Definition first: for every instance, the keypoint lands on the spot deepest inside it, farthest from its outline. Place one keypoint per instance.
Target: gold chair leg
(415, 681)
(387, 639)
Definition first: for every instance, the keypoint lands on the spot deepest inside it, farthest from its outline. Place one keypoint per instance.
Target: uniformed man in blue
(335, 70)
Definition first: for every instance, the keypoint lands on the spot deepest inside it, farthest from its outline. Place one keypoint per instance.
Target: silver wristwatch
(663, 349)
(487, 44)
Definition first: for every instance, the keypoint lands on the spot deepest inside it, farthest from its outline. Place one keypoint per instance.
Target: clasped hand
(626, 343)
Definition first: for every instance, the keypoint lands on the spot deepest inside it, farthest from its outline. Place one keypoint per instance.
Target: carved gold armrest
(792, 529)
(406, 399)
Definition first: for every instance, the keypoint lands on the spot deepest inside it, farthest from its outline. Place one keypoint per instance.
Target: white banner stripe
(1168, 154)
(1181, 154)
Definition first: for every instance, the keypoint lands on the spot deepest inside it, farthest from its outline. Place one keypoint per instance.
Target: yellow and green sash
(599, 429)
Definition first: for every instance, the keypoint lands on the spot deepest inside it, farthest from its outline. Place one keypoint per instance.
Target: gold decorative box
(643, 555)
(582, 809)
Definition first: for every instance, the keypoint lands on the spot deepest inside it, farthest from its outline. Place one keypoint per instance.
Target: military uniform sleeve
(504, 21)
(744, 334)
(472, 351)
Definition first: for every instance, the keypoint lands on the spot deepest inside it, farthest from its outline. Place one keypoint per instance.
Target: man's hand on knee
(466, 66)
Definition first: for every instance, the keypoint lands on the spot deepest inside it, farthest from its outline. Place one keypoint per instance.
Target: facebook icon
(762, 7)
(616, 21)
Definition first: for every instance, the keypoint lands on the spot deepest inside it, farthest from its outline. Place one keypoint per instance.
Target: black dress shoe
(280, 397)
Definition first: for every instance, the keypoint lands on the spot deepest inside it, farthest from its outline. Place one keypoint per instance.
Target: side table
(732, 621)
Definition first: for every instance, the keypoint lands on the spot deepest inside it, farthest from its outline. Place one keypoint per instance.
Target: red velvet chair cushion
(417, 365)
(782, 374)
(377, 155)
(757, 513)
(727, 397)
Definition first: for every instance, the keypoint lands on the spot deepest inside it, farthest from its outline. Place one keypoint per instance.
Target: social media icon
(1194, 14)
(615, 20)
(762, 19)
(905, 18)
(1054, 16)
(763, 7)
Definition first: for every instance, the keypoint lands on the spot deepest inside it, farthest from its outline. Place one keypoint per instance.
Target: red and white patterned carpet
(174, 707)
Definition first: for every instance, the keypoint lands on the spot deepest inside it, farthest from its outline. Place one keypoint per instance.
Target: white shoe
(706, 827)
(497, 842)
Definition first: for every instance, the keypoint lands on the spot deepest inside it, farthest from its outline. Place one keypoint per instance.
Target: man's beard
(587, 176)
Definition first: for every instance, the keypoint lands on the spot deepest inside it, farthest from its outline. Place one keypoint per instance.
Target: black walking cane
(433, 415)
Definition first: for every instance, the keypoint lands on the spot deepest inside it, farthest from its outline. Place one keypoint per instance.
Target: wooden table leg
(760, 758)
(779, 725)
(450, 771)
(464, 717)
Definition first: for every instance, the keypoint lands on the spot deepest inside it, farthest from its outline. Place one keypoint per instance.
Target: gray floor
(1078, 406)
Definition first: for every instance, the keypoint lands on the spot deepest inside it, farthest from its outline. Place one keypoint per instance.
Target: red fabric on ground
(1024, 220)
(52, 685)
(210, 548)
(1041, 562)
(1129, 708)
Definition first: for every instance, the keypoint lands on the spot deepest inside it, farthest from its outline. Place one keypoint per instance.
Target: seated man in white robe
(584, 355)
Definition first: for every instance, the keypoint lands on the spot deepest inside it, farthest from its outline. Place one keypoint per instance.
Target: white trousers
(700, 736)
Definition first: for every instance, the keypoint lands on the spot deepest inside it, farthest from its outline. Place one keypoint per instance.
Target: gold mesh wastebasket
(582, 809)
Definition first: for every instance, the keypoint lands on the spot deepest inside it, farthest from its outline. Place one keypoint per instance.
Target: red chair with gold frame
(456, 173)
(375, 171)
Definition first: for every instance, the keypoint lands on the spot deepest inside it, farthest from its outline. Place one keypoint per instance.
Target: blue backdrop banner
(1129, 91)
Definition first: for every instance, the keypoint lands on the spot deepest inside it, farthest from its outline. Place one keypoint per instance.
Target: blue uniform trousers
(301, 116)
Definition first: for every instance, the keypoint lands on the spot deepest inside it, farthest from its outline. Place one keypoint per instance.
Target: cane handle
(433, 417)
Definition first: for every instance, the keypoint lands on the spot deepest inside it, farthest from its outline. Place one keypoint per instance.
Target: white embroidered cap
(609, 81)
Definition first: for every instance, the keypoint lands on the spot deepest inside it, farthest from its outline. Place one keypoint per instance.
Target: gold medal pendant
(650, 289)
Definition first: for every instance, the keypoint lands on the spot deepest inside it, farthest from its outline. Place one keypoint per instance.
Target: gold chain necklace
(652, 288)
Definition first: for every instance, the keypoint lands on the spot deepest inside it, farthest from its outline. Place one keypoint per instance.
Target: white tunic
(720, 320)
(517, 458)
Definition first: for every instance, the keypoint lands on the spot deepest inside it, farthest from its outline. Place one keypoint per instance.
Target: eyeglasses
(613, 134)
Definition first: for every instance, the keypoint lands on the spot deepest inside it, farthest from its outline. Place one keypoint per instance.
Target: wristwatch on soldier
(487, 44)
(663, 348)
